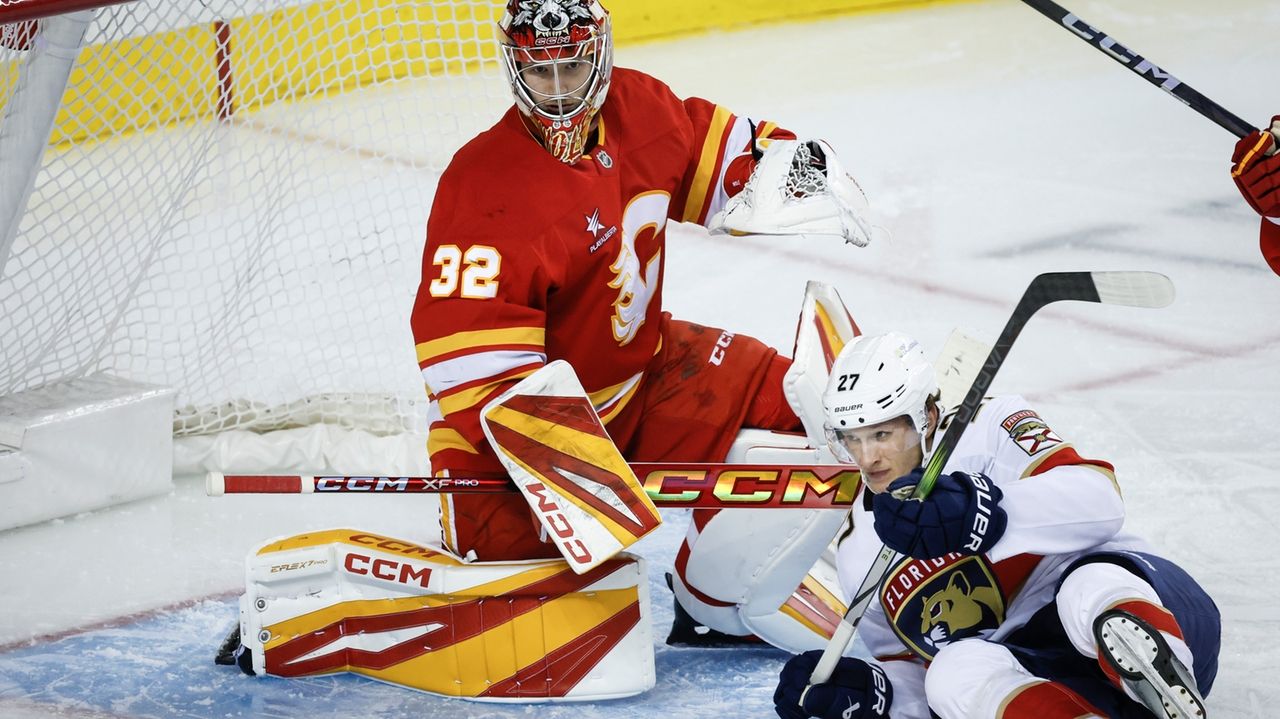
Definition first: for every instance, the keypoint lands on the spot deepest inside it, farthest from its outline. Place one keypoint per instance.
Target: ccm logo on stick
(388, 569)
(362, 484)
(1140, 65)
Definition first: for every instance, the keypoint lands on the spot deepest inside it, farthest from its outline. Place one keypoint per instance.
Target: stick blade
(1133, 289)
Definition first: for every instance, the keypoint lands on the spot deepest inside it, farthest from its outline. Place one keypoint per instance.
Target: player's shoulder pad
(628, 84)
(1005, 412)
(980, 416)
(495, 189)
(643, 109)
(1001, 409)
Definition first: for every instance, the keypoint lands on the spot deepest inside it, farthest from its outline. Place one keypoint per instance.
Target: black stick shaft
(1143, 67)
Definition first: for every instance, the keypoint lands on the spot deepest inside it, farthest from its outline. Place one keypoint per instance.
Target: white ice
(995, 146)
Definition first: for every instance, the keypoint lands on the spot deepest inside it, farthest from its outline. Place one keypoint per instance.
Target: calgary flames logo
(637, 281)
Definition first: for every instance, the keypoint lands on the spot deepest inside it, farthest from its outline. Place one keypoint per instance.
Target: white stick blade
(957, 366)
(1134, 289)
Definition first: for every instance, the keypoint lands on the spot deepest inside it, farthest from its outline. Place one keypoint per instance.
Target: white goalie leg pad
(419, 617)
(747, 563)
(807, 619)
(824, 328)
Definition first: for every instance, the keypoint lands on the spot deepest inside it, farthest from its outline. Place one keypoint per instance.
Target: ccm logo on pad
(388, 569)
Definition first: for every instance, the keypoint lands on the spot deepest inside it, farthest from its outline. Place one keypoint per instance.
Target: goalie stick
(1133, 289)
(668, 484)
(1142, 67)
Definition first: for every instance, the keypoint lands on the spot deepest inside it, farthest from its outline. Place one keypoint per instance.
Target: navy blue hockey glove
(856, 690)
(962, 514)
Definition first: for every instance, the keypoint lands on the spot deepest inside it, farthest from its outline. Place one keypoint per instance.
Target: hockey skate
(688, 632)
(1147, 666)
(231, 653)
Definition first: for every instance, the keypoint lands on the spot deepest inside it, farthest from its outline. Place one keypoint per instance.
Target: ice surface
(995, 146)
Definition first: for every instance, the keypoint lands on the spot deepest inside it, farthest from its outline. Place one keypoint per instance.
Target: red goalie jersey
(530, 260)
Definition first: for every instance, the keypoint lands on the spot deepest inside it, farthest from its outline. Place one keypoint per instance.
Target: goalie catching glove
(797, 188)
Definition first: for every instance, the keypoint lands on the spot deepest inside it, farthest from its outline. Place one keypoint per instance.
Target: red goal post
(14, 11)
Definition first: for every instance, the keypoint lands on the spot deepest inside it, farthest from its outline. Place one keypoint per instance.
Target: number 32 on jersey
(475, 271)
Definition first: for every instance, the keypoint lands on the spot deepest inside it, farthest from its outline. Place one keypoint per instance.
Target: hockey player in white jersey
(1018, 594)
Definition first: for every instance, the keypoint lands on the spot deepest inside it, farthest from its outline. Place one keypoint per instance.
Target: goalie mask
(873, 380)
(558, 57)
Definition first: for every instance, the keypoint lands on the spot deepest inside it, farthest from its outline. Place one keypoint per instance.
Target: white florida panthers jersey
(1059, 504)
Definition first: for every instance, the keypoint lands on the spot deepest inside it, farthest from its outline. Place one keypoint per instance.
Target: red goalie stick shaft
(694, 485)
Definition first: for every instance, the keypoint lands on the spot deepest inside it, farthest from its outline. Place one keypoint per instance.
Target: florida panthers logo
(637, 280)
(957, 610)
(934, 602)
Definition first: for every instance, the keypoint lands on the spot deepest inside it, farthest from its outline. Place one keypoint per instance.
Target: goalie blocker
(534, 631)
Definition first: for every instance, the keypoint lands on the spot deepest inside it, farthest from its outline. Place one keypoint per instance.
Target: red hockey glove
(1256, 170)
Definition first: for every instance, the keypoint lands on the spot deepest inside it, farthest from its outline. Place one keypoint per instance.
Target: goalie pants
(701, 388)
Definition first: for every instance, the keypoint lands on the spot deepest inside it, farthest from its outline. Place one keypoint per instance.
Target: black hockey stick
(1133, 289)
(1143, 67)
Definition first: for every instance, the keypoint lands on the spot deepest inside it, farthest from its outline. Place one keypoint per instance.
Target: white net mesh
(265, 263)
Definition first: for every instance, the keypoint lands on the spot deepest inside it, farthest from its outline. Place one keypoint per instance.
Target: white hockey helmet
(549, 44)
(876, 378)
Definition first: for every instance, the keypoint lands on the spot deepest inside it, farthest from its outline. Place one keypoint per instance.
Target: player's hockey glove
(1256, 170)
(856, 690)
(962, 514)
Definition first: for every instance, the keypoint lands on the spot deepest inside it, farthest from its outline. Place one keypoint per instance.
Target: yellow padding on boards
(138, 84)
(638, 20)
(339, 45)
(171, 77)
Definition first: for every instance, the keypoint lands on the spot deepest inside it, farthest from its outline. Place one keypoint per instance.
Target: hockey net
(232, 200)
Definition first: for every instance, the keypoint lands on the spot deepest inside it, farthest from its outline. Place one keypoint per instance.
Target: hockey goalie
(558, 628)
(542, 341)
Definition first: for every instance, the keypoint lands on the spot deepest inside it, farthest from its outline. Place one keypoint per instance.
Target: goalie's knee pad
(748, 572)
(344, 600)
(808, 617)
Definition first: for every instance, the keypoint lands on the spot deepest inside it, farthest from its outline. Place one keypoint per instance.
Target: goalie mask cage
(229, 197)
